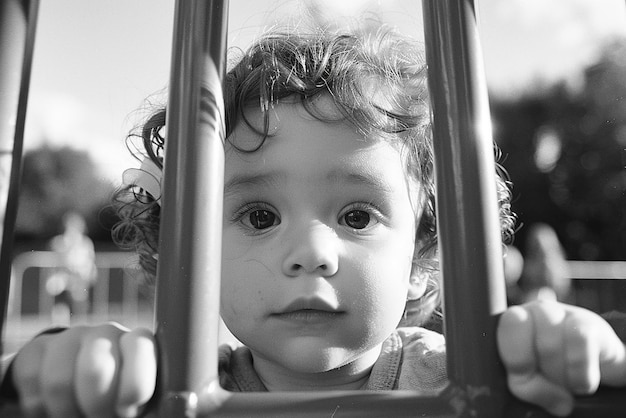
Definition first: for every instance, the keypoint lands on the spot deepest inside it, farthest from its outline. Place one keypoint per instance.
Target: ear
(419, 276)
(417, 283)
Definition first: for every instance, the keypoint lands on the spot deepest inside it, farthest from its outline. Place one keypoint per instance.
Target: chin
(314, 359)
(319, 361)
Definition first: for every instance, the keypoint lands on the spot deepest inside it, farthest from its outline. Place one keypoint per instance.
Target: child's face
(319, 235)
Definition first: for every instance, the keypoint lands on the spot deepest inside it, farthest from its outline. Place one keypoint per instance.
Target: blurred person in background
(545, 273)
(71, 282)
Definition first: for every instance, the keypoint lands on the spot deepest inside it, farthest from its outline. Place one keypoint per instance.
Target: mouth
(307, 315)
(308, 310)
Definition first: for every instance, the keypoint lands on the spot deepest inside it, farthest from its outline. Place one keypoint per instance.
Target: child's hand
(553, 351)
(86, 371)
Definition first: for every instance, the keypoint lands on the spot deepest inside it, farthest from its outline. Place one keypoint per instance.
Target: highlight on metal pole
(18, 21)
(470, 243)
(469, 233)
(188, 276)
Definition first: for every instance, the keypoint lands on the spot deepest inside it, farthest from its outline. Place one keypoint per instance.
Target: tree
(565, 152)
(56, 181)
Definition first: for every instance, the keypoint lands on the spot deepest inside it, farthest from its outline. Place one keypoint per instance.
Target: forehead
(281, 117)
(304, 150)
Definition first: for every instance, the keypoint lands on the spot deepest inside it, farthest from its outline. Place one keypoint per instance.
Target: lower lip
(307, 316)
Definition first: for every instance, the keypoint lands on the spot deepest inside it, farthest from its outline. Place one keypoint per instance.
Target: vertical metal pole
(18, 19)
(469, 230)
(187, 313)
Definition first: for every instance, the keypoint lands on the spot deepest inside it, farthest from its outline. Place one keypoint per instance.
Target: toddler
(329, 265)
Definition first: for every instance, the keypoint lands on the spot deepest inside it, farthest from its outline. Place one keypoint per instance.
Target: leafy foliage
(56, 181)
(566, 153)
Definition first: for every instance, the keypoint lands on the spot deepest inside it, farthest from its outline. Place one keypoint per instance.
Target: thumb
(612, 359)
(138, 374)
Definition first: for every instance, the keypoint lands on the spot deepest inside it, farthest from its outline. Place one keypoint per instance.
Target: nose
(313, 249)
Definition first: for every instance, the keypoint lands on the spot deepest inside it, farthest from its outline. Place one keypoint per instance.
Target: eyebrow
(274, 179)
(359, 178)
(252, 180)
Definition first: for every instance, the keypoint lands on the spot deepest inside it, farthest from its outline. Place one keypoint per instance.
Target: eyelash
(247, 209)
(368, 208)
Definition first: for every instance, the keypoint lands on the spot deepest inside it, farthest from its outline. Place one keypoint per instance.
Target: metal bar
(187, 314)
(18, 21)
(130, 298)
(469, 231)
(336, 404)
(101, 295)
(470, 243)
(45, 302)
(600, 270)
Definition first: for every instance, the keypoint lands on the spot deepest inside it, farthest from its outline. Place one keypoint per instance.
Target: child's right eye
(257, 216)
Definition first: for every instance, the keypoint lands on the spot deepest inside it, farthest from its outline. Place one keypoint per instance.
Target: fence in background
(598, 285)
(115, 295)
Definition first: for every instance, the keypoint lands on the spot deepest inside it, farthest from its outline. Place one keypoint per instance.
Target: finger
(582, 354)
(538, 390)
(548, 318)
(57, 373)
(515, 336)
(612, 356)
(138, 374)
(26, 366)
(97, 371)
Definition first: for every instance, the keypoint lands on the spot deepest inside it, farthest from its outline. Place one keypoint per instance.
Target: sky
(97, 61)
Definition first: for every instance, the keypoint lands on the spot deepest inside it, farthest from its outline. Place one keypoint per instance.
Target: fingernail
(127, 412)
(562, 409)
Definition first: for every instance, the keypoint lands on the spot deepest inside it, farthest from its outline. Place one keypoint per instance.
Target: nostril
(299, 267)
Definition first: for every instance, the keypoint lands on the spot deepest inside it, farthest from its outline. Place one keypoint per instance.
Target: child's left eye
(262, 219)
(359, 218)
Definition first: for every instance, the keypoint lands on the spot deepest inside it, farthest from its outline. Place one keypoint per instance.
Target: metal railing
(18, 22)
(114, 295)
(46, 263)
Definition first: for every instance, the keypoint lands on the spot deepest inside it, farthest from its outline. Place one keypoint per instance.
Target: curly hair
(377, 81)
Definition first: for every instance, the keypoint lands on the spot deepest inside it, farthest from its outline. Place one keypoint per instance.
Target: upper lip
(316, 304)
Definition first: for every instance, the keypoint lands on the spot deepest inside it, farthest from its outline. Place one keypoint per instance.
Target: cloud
(526, 40)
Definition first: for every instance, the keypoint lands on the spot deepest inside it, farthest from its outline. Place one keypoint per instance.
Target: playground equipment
(468, 230)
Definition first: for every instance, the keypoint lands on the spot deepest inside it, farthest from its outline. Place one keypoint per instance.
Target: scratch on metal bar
(335, 411)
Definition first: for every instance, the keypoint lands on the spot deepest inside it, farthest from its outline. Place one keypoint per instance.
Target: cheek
(245, 283)
(232, 292)
(393, 280)
(396, 255)
(392, 266)
(385, 280)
